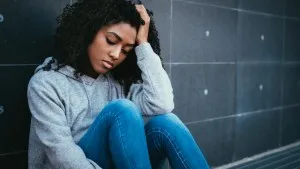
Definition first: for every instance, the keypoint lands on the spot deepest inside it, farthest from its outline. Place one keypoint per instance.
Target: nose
(115, 53)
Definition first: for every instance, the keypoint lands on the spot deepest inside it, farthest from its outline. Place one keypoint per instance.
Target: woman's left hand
(142, 35)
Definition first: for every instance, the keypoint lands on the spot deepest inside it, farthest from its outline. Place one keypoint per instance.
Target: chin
(101, 70)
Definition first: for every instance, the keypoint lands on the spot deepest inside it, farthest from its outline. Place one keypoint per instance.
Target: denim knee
(165, 122)
(123, 107)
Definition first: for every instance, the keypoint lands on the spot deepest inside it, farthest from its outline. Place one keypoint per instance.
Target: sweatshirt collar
(69, 72)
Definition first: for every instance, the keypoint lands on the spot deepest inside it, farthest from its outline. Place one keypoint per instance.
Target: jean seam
(182, 159)
(157, 148)
(122, 141)
(98, 121)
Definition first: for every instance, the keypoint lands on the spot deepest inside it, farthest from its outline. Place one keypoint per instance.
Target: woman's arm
(155, 94)
(51, 128)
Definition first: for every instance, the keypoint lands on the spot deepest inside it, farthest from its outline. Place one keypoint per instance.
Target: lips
(108, 64)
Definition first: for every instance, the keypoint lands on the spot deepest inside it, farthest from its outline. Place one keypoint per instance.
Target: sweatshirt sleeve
(155, 95)
(51, 128)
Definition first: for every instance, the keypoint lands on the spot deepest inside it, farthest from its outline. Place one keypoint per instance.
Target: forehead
(124, 30)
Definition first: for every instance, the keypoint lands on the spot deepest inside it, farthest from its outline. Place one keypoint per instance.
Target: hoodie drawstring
(86, 93)
(109, 88)
(109, 92)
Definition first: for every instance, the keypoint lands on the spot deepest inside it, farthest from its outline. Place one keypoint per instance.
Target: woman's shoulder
(47, 78)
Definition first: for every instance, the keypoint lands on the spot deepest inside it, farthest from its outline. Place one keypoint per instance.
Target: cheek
(92, 53)
(99, 45)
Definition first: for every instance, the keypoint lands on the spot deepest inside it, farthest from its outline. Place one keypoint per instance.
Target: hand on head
(142, 35)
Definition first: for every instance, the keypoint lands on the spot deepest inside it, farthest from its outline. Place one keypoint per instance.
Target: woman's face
(110, 46)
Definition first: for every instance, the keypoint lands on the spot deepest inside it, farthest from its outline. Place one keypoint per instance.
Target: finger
(143, 13)
(141, 8)
(138, 6)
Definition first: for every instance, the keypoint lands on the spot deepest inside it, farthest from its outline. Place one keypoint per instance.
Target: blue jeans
(119, 139)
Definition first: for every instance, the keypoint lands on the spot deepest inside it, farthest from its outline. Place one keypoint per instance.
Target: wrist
(141, 41)
(143, 50)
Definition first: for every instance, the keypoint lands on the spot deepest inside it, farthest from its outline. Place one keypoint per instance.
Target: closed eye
(110, 42)
(114, 43)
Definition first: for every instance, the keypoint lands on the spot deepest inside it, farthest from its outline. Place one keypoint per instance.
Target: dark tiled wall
(26, 29)
(234, 65)
(235, 70)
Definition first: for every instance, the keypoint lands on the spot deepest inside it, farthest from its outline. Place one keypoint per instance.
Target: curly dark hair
(80, 22)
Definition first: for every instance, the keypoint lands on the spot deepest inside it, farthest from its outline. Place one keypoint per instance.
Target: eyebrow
(120, 39)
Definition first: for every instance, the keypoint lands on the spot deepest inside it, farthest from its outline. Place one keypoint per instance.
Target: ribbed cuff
(143, 50)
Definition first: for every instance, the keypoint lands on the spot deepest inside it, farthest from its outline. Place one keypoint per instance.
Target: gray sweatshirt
(63, 107)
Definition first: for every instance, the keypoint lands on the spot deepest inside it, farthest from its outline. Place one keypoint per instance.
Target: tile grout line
(282, 76)
(7, 65)
(13, 153)
(170, 50)
(171, 32)
(191, 63)
(243, 114)
(291, 62)
(200, 63)
(238, 53)
(233, 63)
(240, 10)
(238, 30)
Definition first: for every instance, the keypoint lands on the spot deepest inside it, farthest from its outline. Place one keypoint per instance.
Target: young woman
(87, 102)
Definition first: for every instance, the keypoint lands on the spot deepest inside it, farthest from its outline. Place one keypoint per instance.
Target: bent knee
(166, 121)
(124, 107)
(122, 103)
